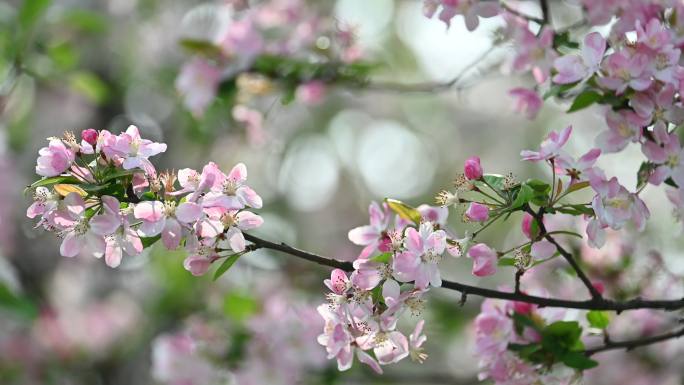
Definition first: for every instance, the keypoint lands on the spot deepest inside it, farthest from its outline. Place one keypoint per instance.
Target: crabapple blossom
(573, 68)
(484, 259)
(527, 101)
(550, 147)
(54, 159)
(477, 212)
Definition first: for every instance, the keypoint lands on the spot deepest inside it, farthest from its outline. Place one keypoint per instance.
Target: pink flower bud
(599, 286)
(477, 212)
(484, 260)
(89, 135)
(472, 168)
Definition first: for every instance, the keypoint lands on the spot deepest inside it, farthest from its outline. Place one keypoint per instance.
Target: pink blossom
(470, 9)
(472, 168)
(416, 341)
(54, 159)
(338, 282)
(550, 147)
(253, 121)
(527, 101)
(578, 170)
(230, 192)
(665, 151)
(372, 235)
(311, 93)
(198, 83)
(625, 70)
(135, 151)
(614, 206)
(573, 68)
(420, 262)
(624, 126)
(484, 260)
(120, 236)
(534, 53)
(166, 219)
(79, 237)
(477, 212)
(177, 360)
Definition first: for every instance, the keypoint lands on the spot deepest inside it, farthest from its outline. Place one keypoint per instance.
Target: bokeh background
(111, 63)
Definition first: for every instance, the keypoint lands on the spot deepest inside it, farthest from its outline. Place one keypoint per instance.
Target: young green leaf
(598, 319)
(584, 100)
(403, 210)
(227, 264)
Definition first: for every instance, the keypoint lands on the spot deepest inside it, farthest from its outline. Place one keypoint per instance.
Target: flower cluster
(363, 308)
(509, 342)
(103, 197)
(260, 46)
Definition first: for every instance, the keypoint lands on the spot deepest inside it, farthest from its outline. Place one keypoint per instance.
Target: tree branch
(635, 343)
(598, 303)
(546, 14)
(539, 218)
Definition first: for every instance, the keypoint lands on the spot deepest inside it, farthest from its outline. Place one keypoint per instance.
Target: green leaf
(149, 241)
(525, 351)
(598, 319)
(561, 336)
(54, 180)
(644, 173)
(85, 20)
(403, 210)
(525, 194)
(558, 89)
(494, 180)
(227, 264)
(239, 306)
(577, 186)
(520, 321)
(578, 360)
(584, 100)
(382, 258)
(16, 304)
(200, 47)
(116, 173)
(31, 11)
(506, 261)
(575, 210)
(90, 85)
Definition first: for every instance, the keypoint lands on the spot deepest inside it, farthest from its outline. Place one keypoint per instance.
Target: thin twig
(635, 343)
(427, 86)
(539, 218)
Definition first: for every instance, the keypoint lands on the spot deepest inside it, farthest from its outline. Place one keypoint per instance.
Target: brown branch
(546, 13)
(539, 218)
(521, 15)
(635, 343)
(597, 303)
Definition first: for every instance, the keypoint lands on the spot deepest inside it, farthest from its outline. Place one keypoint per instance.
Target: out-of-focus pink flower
(527, 101)
(311, 93)
(573, 68)
(54, 159)
(484, 260)
(471, 10)
(198, 83)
